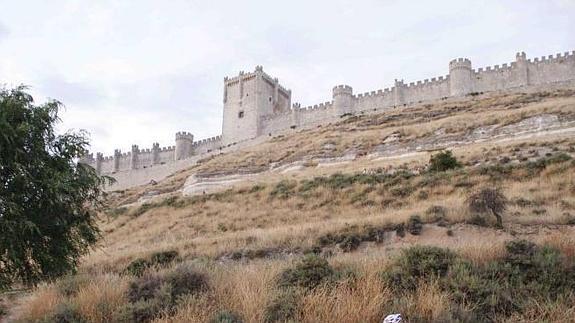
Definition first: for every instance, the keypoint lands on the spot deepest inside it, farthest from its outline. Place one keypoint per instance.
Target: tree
(488, 200)
(47, 199)
(443, 161)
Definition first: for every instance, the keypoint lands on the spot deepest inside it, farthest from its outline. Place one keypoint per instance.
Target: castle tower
(398, 97)
(184, 144)
(342, 99)
(117, 157)
(460, 77)
(522, 68)
(134, 157)
(155, 153)
(99, 159)
(248, 98)
(295, 115)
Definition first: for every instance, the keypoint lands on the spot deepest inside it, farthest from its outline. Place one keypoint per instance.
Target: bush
(350, 237)
(66, 313)
(282, 308)
(473, 286)
(140, 311)
(418, 262)
(309, 273)
(145, 287)
(400, 230)
(163, 258)
(153, 293)
(137, 267)
(283, 189)
(488, 200)
(443, 161)
(437, 212)
(494, 291)
(350, 243)
(414, 225)
(184, 280)
(226, 317)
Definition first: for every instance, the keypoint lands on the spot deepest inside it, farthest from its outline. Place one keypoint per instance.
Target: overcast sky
(136, 72)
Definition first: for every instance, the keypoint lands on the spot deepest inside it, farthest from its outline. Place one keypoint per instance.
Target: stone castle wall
(256, 106)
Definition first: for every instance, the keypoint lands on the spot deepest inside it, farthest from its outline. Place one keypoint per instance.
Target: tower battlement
(458, 63)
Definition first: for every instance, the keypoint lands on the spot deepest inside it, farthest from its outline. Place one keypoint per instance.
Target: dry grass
(40, 304)
(364, 301)
(99, 299)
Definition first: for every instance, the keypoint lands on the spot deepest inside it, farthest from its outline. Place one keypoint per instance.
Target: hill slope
(349, 193)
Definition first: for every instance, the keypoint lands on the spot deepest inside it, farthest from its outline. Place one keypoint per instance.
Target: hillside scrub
(252, 243)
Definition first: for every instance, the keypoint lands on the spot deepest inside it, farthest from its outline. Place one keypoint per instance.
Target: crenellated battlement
(342, 89)
(182, 135)
(315, 107)
(259, 71)
(460, 63)
(550, 59)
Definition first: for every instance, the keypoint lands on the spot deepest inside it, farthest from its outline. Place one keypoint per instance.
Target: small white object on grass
(393, 318)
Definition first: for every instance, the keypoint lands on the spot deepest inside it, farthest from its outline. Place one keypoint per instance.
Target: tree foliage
(47, 198)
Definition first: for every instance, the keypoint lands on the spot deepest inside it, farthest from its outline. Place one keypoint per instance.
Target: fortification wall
(315, 113)
(167, 154)
(373, 100)
(552, 69)
(419, 91)
(256, 107)
(208, 145)
(497, 78)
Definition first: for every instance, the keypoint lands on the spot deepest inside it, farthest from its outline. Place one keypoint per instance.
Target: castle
(256, 106)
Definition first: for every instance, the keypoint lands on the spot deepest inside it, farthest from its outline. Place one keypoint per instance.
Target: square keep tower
(248, 99)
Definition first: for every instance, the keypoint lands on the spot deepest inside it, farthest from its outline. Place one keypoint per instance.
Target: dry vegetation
(244, 253)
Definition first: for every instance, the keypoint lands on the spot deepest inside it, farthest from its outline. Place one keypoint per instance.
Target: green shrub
(350, 243)
(145, 288)
(443, 161)
(400, 230)
(310, 272)
(163, 258)
(140, 311)
(282, 308)
(489, 297)
(153, 293)
(353, 235)
(257, 188)
(137, 267)
(283, 189)
(66, 312)
(437, 212)
(494, 291)
(414, 225)
(418, 262)
(226, 317)
(184, 280)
